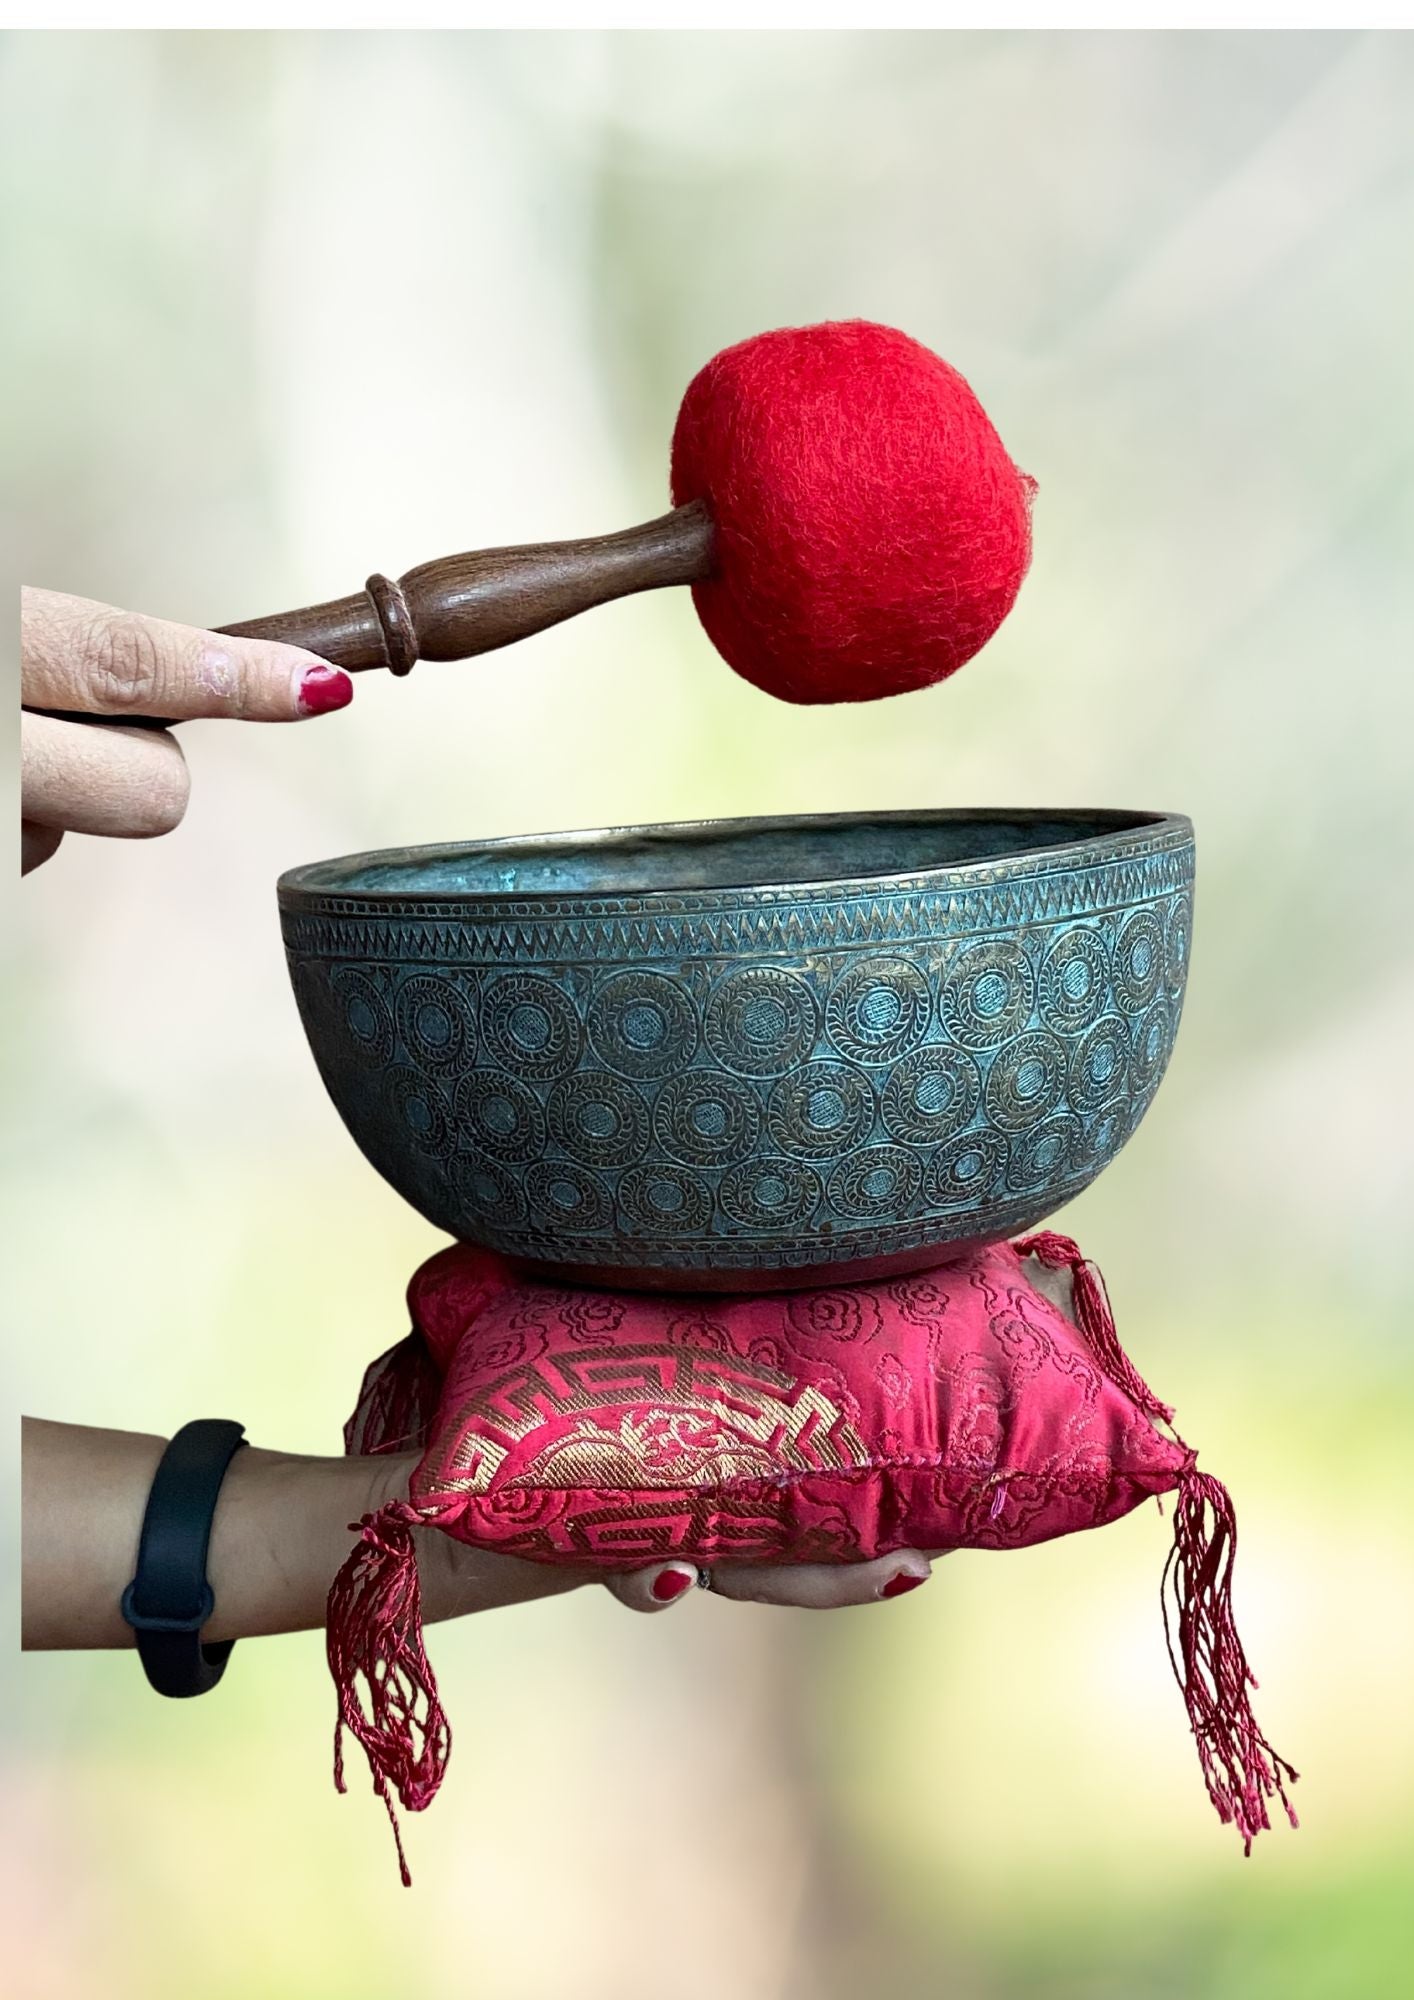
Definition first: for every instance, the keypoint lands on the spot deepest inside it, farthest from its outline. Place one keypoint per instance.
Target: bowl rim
(319, 881)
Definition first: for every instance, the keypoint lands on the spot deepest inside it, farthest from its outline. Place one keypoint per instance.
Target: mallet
(849, 521)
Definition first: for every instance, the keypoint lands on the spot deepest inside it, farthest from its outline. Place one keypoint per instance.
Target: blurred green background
(282, 309)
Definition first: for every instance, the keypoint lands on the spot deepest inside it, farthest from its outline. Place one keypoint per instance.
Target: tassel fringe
(1240, 1767)
(1094, 1318)
(375, 1635)
(396, 1402)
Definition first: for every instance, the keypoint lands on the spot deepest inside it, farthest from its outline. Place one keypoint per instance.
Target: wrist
(382, 1479)
(282, 1529)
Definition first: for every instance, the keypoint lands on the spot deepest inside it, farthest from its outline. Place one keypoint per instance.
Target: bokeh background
(284, 308)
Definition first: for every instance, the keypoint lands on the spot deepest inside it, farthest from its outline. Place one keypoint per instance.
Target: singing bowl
(748, 1053)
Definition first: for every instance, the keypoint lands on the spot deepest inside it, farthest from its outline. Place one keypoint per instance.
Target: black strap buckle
(142, 1621)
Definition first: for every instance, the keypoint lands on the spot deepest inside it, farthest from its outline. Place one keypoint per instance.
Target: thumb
(77, 654)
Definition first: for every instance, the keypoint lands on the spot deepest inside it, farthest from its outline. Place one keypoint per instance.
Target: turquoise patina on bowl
(748, 1053)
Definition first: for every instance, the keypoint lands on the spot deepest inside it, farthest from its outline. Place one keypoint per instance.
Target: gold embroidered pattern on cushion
(643, 1418)
(681, 1447)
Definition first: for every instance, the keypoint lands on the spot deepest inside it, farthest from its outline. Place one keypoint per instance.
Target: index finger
(80, 655)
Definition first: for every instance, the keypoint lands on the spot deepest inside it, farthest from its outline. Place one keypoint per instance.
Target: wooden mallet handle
(460, 605)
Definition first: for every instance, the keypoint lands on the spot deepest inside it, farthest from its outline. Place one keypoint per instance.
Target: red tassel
(375, 1630)
(1240, 1767)
(396, 1402)
(1094, 1318)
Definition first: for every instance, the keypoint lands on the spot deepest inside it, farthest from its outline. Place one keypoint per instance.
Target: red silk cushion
(958, 1408)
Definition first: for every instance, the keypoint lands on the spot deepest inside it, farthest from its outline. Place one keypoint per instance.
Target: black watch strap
(169, 1599)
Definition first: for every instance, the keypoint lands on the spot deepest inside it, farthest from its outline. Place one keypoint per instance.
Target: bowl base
(810, 1278)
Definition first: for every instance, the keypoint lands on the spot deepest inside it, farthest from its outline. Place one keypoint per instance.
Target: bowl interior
(721, 854)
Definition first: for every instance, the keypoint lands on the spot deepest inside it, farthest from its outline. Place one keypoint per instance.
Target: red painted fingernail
(897, 1585)
(672, 1583)
(324, 688)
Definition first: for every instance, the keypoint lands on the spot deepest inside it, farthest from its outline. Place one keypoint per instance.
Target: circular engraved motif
(530, 1025)
(989, 995)
(932, 1094)
(499, 1116)
(1153, 1038)
(488, 1194)
(643, 1024)
(1103, 1136)
(880, 1183)
(761, 1021)
(1026, 1080)
(365, 1013)
(961, 1172)
(1178, 938)
(1099, 1064)
(1073, 981)
(420, 1109)
(567, 1197)
(879, 1010)
(770, 1193)
(1044, 1154)
(434, 1023)
(706, 1119)
(1139, 961)
(599, 1119)
(820, 1110)
(665, 1199)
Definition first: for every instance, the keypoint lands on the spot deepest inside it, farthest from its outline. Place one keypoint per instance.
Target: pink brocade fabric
(960, 1408)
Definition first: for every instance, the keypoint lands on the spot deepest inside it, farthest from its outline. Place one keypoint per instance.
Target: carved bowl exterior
(748, 1053)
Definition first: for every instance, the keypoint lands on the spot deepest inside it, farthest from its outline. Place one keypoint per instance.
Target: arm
(280, 1532)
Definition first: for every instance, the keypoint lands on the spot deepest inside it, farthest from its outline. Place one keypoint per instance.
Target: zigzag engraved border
(1056, 889)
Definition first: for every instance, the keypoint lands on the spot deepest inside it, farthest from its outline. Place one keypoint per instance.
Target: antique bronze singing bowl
(748, 1053)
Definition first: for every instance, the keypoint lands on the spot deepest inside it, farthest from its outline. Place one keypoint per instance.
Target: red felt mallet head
(871, 530)
(848, 519)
